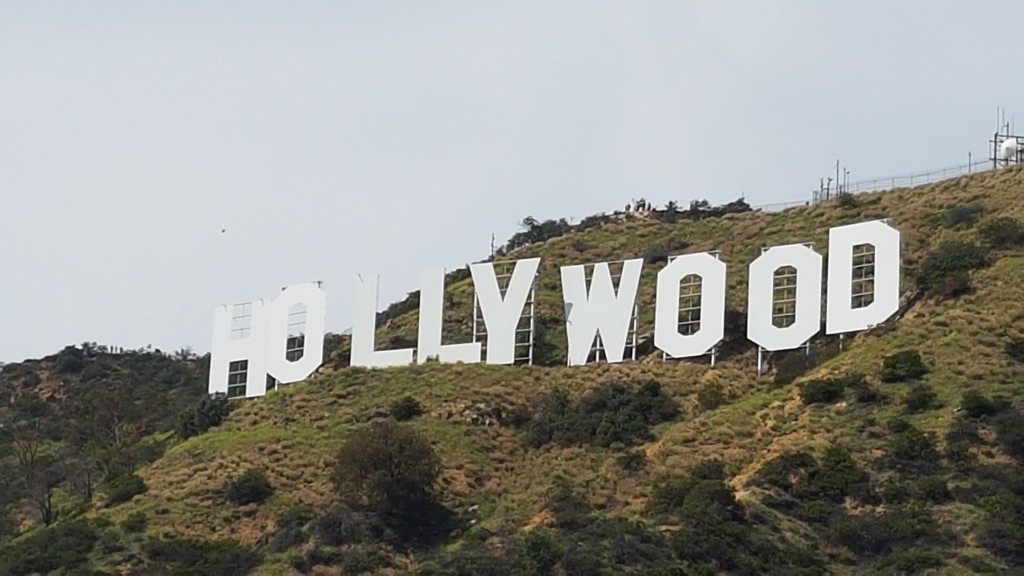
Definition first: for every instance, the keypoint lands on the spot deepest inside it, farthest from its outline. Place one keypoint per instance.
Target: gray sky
(330, 138)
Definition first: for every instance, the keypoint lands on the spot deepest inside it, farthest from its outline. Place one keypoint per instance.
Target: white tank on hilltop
(1009, 149)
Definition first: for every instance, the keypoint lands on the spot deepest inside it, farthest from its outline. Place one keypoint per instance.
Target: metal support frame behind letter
(525, 330)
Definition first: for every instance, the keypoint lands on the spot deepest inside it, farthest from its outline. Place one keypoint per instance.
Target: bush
(632, 461)
(896, 529)
(781, 471)
(1015, 349)
(339, 525)
(963, 215)
(903, 366)
(65, 545)
(974, 404)
(913, 561)
(135, 522)
(612, 413)
(867, 394)
(670, 494)
(821, 391)
(69, 360)
(945, 272)
(920, 397)
(208, 412)
(252, 487)
(392, 472)
(933, 489)
(837, 475)
(539, 551)
(290, 528)
(405, 408)
(912, 445)
(1009, 426)
(201, 557)
(124, 488)
(792, 365)
(846, 200)
(711, 396)
(569, 508)
(1003, 232)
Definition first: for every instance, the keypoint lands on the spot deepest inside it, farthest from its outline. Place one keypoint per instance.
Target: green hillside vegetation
(899, 451)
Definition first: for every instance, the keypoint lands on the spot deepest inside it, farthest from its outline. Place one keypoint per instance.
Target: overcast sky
(331, 138)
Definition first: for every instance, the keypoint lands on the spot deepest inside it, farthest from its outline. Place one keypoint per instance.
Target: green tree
(387, 468)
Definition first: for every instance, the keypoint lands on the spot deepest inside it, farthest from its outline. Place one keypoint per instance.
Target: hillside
(842, 461)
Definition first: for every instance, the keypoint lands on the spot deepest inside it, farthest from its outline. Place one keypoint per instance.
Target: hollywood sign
(252, 351)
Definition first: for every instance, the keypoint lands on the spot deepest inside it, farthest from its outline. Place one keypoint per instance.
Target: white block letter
(364, 327)
(238, 358)
(250, 342)
(760, 298)
(501, 315)
(712, 306)
(601, 311)
(431, 321)
(315, 300)
(842, 316)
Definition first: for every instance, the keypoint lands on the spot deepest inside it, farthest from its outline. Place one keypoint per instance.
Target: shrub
(339, 525)
(866, 394)
(933, 489)
(670, 494)
(69, 360)
(1002, 232)
(791, 366)
(963, 215)
(945, 271)
(1009, 426)
(569, 508)
(920, 397)
(659, 253)
(912, 445)
(201, 557)
(836, 477)
(896, 529)
(821, 391)
(66, 545)
(539, 551)
(1002, 537)
(903, 366)
(1015, 349)
(913, 561)
(974, 404)
(846, 200)
(124, 488)
(612, 413)
(252, 487)
(208, 412)
(781, 471)
(290, 528)
(392, 472)
(632, 461)
(711, 396)
(405, 408)
(134, 523)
